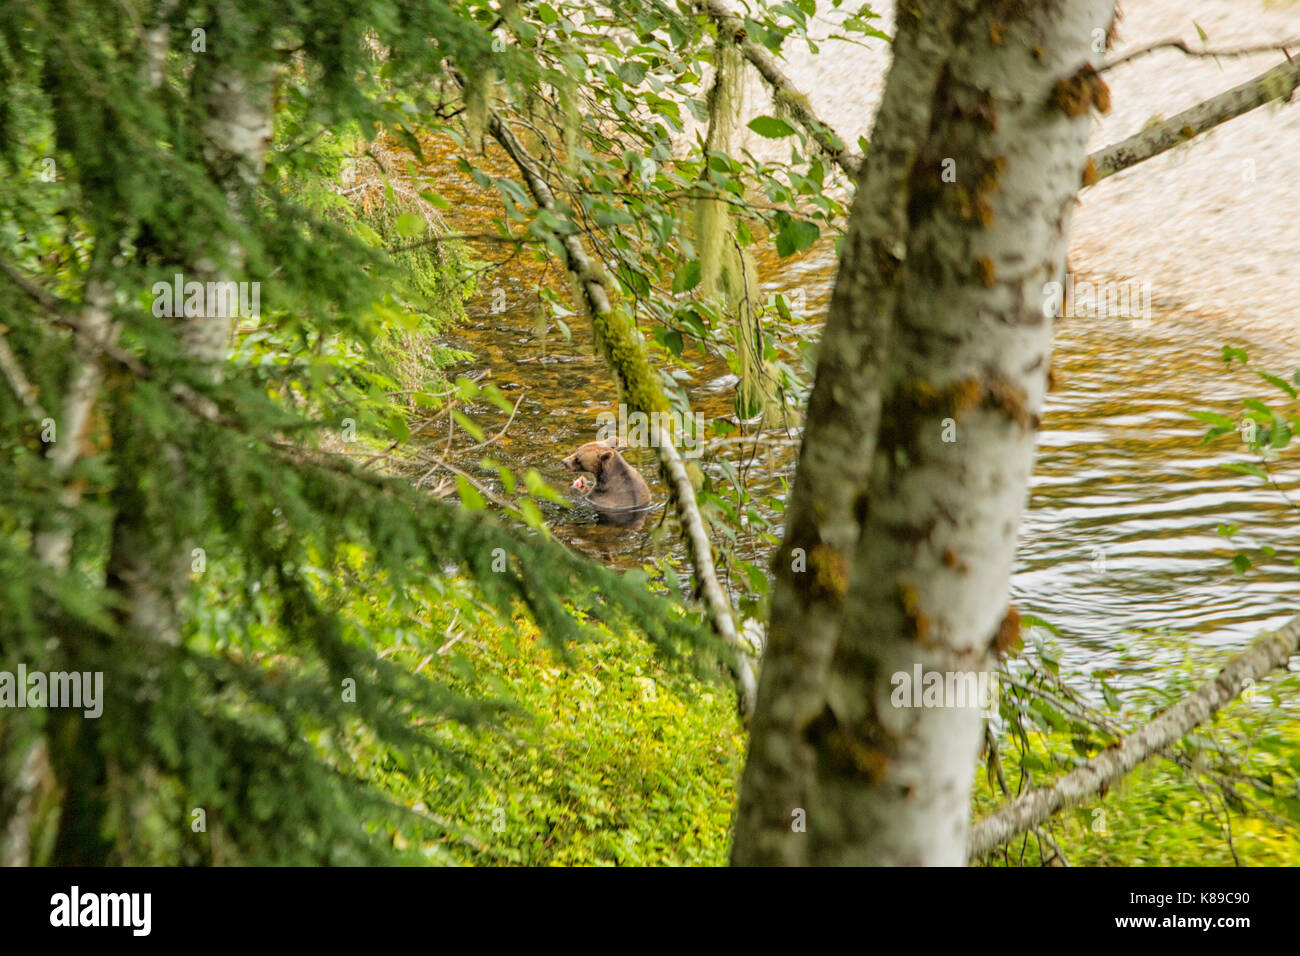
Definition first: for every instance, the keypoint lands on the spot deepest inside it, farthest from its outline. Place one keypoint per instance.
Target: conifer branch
(60, 314)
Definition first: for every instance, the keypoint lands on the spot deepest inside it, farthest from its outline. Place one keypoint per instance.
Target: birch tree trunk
(811, 568)
(149, 562)
(146, 567)
(955, 263)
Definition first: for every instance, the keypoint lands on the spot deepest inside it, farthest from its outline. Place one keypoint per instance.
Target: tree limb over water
(1266, 652)
(1278, 83)
(639, 387)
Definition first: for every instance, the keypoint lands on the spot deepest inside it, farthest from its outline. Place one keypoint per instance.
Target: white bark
(839, 440)
(969, 360)
(53, 543)
(149, 571)
(1277, 84)
(702, 552)
(239, 132)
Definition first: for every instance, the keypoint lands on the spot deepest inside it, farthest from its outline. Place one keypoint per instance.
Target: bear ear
(606, 455)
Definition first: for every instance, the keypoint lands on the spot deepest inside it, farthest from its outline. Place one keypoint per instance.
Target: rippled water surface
(1119, 542)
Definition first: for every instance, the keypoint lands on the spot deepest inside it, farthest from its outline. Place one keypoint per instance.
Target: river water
(1120, 538)
(1119, 545)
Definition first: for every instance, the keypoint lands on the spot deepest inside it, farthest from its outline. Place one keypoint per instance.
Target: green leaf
(613, 217)
(493, 395)
(631, 72)
(531, 514)
(1255, 405)
(782, 308)
(469, 495)
(687, 277)
(771, 127)
(1240, 563)
(1278, 383)
(1248, 468)
(435, 199)
(538, 488)
(505, 474)
(1219, 420)
(410, 225)
(796, 236)
(397, 427)
(468, 425)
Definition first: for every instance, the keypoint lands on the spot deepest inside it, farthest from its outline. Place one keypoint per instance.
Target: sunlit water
(1119, 545)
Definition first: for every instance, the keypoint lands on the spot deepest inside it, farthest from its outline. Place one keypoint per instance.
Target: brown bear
(620, 495)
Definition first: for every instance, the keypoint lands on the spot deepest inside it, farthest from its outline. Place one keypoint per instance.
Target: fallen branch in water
(1026, 812)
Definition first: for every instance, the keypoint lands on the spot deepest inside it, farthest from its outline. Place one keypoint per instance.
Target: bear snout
(571, 463)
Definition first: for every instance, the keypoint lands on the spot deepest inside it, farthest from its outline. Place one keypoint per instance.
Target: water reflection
(1120, 532)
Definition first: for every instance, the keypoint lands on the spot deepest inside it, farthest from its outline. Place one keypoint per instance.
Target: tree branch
(1277, 84)
(787, 94)
(1029, 810)
(591, 280)
(1176, 43)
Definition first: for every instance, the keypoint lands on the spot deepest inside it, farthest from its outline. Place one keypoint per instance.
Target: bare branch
(1278, 83)
(1028, 811)
(1176, 43)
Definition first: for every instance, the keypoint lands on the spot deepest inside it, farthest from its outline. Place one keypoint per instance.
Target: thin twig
(1177, 43)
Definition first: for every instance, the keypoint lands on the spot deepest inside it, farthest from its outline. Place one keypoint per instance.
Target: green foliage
(213, 568)
(606, 757)
(1227, 794)
(1266, 429)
